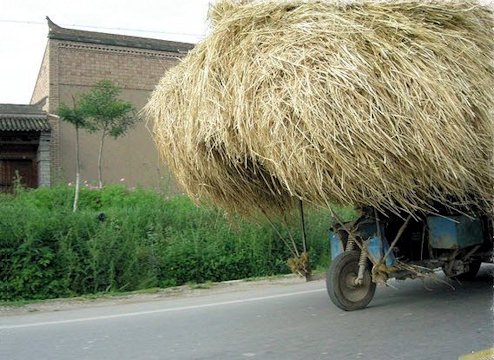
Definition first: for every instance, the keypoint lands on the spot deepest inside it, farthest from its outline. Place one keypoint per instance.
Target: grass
(145, 242)
(202, 286)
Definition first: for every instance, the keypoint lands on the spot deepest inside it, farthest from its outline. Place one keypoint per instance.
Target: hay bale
(388, 104)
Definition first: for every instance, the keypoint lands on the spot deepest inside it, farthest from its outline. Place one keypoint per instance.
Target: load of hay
(387, 104)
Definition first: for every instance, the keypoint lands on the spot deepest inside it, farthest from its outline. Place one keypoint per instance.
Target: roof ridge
(59, 33)
(23, 116)
(22, 110)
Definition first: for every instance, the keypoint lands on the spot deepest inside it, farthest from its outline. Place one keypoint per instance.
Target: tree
(76, 117)
(106, 114)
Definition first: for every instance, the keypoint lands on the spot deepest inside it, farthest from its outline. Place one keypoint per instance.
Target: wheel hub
(351, 287)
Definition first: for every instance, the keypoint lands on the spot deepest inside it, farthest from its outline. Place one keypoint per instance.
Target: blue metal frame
(336, 244)
(454, 232)
(377, 246)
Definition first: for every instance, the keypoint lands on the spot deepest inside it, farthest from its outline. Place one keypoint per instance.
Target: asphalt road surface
(288, 319)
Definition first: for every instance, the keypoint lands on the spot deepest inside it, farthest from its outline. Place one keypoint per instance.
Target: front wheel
(473, 269)
(340, 282)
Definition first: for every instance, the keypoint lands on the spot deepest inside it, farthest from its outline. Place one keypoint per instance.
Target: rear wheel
(473, 269)
(340, 282)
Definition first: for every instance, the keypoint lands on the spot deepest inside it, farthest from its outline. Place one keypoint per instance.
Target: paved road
(291, 320)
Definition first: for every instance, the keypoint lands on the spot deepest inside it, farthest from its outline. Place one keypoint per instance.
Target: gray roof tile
(14, 117)
(60, 33)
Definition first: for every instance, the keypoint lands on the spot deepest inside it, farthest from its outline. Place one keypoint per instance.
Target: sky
(24, 30)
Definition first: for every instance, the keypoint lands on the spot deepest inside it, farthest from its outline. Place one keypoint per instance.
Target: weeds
(143, 241)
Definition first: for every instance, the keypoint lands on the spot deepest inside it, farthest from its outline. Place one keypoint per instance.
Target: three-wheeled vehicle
(378, 247)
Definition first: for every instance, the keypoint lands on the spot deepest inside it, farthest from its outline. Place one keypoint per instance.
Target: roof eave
(59, 33)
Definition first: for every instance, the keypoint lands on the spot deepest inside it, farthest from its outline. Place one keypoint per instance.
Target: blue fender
(377, 247)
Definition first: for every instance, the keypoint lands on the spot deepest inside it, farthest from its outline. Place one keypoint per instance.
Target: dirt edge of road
(194, 290)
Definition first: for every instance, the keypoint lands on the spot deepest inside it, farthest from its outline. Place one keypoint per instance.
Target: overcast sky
(24, 30)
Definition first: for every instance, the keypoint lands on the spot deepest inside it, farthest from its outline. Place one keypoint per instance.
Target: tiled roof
(15, 117)
(60, 33)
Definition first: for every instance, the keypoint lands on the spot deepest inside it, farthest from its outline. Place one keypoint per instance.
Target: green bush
(122, 240)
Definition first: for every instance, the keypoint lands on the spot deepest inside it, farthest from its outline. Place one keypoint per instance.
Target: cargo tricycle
(378, 247)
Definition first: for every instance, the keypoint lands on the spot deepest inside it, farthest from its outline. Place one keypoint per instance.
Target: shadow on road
(441, 290)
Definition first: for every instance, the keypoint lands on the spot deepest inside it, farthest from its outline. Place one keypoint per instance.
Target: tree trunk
(77, 170)
(100, 156)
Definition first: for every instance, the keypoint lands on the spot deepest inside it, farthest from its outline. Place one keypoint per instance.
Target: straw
(387, 104)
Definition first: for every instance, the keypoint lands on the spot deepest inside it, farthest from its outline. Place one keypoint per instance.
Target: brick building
(74, 60)
(24, 146)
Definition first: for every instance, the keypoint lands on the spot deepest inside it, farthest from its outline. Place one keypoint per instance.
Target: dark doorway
(18, 160)
(23, 169)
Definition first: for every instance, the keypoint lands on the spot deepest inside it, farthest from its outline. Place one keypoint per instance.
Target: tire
(473, 269)
(339, 282)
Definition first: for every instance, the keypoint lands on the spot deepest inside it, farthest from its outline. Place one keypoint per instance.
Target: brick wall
(41, 87)
(44, 160)
(52, 106)
(83, 64)
(73, 67)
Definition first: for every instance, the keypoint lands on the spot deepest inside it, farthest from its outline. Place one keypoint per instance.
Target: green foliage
(142, 241)
(105, 111)
(73, 115)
